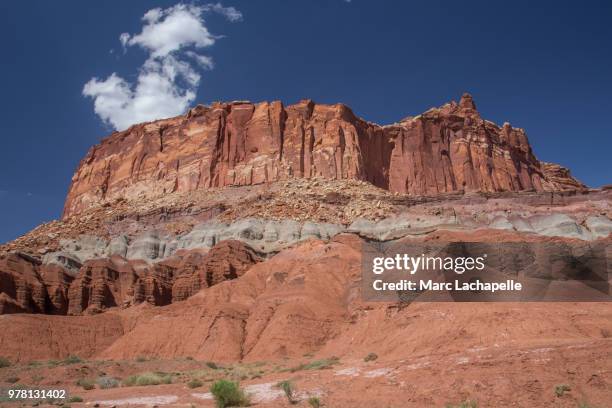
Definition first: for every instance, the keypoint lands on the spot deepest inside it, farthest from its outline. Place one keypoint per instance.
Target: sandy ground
(492, 376)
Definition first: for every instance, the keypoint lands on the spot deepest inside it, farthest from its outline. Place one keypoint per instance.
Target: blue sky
(543, 66)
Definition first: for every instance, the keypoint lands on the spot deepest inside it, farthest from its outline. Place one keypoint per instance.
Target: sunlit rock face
(446, 149)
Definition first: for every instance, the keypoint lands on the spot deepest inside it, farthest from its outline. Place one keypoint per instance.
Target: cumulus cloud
(167, 81)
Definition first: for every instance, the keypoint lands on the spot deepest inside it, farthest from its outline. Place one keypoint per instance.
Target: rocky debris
(176, 213)
(317, 200)
(86, 247)
(445, 149)
(403, 225)
(560, 175)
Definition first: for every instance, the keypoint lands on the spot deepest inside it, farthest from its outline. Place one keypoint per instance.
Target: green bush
(72, 359)
(316, 365)
(229, 394)
(4, 362)
(314, 402)
(86, 384)
(561, 389)
(212, 365)
(75, 398)
(107, 382)
(287, 388)
(370, 357)
(53, 363)
(147, 379)
(141, 359)
(195, 383)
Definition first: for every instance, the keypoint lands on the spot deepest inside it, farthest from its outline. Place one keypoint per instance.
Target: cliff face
(447, 149)
(29, 286)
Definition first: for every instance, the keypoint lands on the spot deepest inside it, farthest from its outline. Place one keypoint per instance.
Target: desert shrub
(464, 404)
(229, 394)
(561, 389)
(4, 362)
(238, 373)
(75, 398)
(140, 359)
(147, 379)
(314, 402)
(107, 382)
(287, 388)
(316, 365)
(72, 359)
(53, 363)
(370, 357)
(195, 383)
(211, 364)
(86, 384)
(12, 380)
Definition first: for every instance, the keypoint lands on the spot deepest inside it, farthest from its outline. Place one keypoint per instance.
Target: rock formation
(225, 261)
(243, 233)
(445, 149)
(21, 287)
(29, 286)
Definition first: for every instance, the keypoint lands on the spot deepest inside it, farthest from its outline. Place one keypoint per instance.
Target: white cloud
(203, 61)
(124, 38)
(167, 82)
(230, 13)
(171, 29)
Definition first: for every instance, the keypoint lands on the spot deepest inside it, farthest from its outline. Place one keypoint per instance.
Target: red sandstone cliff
(447, 149)
(28, 286)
